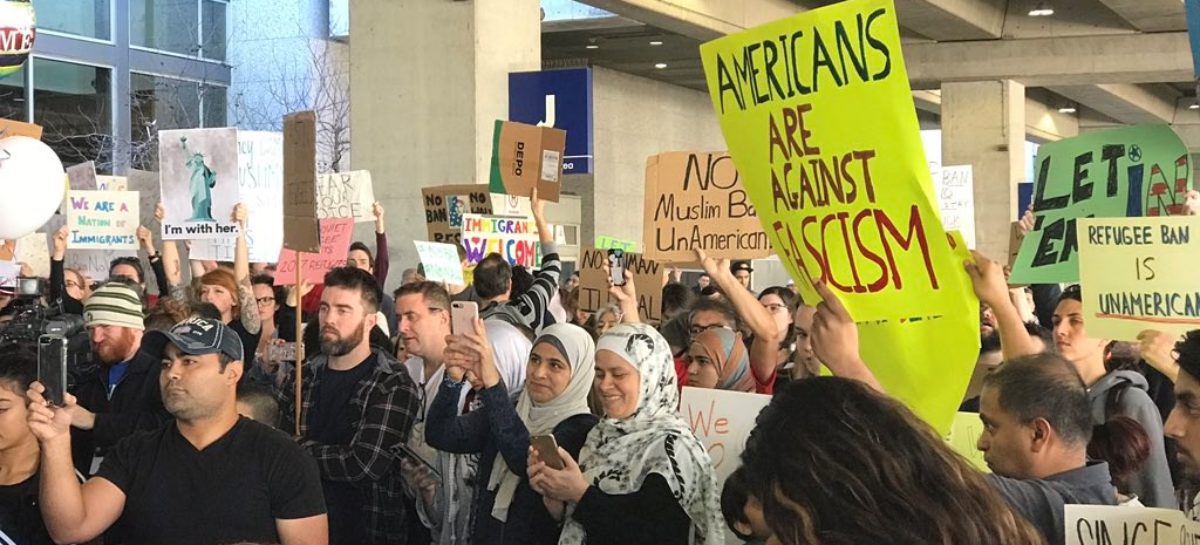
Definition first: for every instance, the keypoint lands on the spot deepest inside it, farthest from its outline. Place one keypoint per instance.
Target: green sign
(604, 242)
(1127, 172)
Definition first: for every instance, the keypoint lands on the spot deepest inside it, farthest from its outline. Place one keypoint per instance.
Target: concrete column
(983, 125)
(428, 79)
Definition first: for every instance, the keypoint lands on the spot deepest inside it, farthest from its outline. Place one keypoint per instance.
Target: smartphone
(417, 458)
(462, 317)
(52, 367)
(616, 266)
(547, 449)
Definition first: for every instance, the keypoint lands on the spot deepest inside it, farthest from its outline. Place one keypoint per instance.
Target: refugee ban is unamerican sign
(1144, 170)
(817, 112)
(695, 201)
(1138, 274)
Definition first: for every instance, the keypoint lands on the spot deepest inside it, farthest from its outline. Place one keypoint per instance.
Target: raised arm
(534, 302)
(241, 270)
(764, 349)
(58, 280)
(835, 340)
(73, 513)
(987, 277)
(382, 259)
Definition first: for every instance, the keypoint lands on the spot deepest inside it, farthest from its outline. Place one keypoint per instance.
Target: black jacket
(136, 405)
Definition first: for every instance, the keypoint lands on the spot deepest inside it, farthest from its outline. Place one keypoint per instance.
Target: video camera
(32, 319)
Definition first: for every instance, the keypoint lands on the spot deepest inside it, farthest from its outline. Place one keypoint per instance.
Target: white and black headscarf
(619, 454)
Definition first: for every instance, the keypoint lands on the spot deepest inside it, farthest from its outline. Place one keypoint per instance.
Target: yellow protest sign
(964, 436)
(1138, 274)
(818, 115)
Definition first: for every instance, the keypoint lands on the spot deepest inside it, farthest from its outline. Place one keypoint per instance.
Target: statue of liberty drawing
(203, 179)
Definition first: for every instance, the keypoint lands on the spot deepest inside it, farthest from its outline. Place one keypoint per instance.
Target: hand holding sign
(1158, 349)
(834, 334)
(987, 277)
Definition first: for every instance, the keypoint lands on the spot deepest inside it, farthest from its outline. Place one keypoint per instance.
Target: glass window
(12, 95)
(213, 36)
(167, 25)
(81, 17)
(159, 104)
(72, 103)
(214, 105)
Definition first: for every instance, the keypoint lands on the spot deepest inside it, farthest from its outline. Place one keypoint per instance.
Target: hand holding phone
(52, 368)
(462, 317)
(547, 449)
(616, 267)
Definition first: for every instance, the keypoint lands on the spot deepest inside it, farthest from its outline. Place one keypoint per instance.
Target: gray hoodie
(1152, 483)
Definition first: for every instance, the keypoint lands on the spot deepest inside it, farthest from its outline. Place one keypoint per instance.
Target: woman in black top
(554, 402)
(20, 515)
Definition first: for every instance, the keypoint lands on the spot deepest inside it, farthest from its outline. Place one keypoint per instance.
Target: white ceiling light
(1194, 106)
(1042, 9)
(660, 65)
(592, 46)
(656, 42)
(1066, 110)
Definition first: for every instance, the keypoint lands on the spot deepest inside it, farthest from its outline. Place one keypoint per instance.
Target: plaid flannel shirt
(388, 403)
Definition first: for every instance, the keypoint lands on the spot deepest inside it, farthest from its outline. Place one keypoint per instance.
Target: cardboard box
(526, 155)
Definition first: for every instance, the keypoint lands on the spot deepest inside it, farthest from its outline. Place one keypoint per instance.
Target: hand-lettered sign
(722, 421)
(1138, 274)
(1112, 524)
(102, 220)
(516, 239)
(695, 201)
(335, 242)
(346, 195)
(1143, 170)
(593, 282)
(446, 205)
(440, 262)
(843, 190)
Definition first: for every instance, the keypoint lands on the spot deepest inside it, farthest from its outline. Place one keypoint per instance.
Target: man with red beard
(357, 410)
(122, 397)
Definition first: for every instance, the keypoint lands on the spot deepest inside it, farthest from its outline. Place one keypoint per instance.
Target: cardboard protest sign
(8, 127)
(34, 250)
(112, 183)
(605, 242)
(345, 195)
(593, 282)
(1142, 170)
(440, 262)
(722, 421)
(145, 183)
(524, 156)
(335, 243)
(1138, 274)
(695, 201)
(964, 436)
(511, 205)
(82, 176)
(843, 191)
(300, 228)
(260, 186)
(198, 176)
(94, 263)
(516, 239)
(102, 220)
(1113, 524)
(955, 190)
(445, 206)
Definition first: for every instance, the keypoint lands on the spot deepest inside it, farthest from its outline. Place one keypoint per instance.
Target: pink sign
(335, 244)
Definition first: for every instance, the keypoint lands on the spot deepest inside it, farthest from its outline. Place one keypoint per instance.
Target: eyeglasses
(775, 307)
(265, 300)
(698, 329)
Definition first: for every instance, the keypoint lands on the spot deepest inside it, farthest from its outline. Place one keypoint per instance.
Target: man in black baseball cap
(208, 476)
(741, 271)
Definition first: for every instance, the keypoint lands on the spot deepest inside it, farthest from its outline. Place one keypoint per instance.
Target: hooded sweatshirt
(1152, 483)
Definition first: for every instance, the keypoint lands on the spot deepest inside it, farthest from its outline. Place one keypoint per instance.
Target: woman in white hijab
(557, 381)
(642, 476)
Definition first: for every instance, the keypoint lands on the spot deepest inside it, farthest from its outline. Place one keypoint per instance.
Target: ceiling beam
(700, 19)
(1042, 62)
(953, 20)
(1124, 102)
(1150, 15)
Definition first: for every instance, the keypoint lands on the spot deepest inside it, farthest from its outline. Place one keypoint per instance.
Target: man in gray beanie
(123, 395)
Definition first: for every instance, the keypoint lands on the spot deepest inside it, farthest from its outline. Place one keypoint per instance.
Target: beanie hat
(114, 304)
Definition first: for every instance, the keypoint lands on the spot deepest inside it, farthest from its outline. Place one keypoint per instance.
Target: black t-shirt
(231, 491)
(332, 420)
(20, 515)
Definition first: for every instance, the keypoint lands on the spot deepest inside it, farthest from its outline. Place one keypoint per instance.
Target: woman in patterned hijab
(642, 476)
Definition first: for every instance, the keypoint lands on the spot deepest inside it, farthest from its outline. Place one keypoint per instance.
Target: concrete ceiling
(1127, 60)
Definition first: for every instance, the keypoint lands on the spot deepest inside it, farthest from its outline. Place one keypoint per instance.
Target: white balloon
(32, 182)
